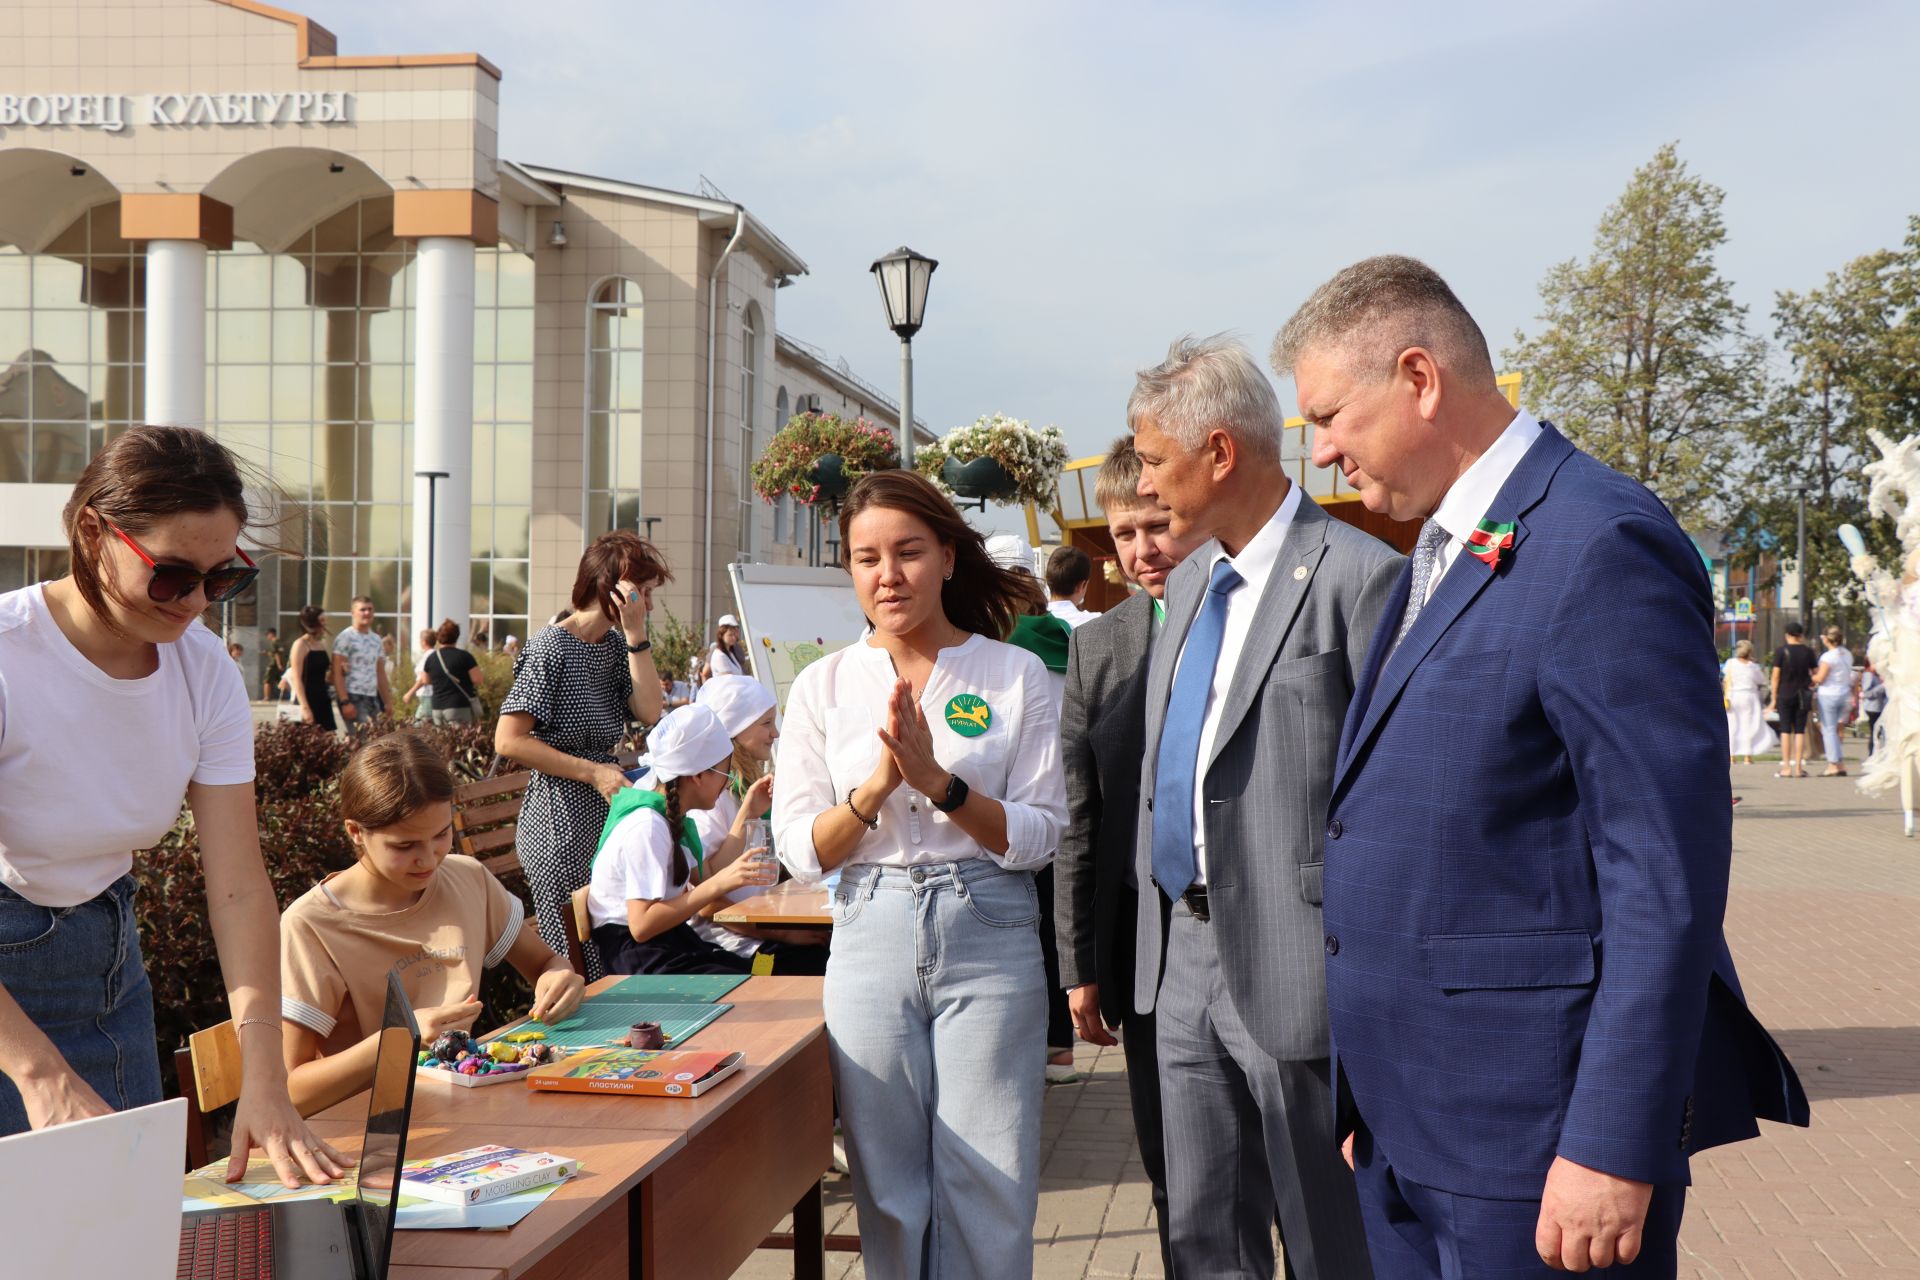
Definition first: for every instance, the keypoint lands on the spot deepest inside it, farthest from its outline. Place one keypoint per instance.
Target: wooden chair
(578, 926)
(209, 1071)
(486, 817)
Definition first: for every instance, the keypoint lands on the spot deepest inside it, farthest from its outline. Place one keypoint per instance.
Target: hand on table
(1083, 1002)
(909, 740)
(266, 1119)
(1589, 1218)
(557, 994)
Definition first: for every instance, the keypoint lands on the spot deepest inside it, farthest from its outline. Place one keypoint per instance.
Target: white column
(177, 333)
(443, 428)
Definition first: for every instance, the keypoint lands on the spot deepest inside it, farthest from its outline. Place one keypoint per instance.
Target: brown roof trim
(317, 47)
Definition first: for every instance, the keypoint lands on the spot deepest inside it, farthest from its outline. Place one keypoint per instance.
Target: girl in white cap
(652, 873)
(746, 709)
(726, 656)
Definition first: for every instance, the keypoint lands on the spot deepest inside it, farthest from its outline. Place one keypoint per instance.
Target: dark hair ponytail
(981, 596)
(676, 826)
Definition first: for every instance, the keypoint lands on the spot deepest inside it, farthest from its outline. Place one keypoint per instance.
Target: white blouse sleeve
(803, 788)
(1036, 789)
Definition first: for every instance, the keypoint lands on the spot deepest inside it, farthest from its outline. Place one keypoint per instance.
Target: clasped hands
(907, 749)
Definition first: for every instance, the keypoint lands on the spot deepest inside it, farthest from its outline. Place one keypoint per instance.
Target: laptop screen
(390, 1104)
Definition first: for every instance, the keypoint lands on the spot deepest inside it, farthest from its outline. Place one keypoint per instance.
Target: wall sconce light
(558, 240)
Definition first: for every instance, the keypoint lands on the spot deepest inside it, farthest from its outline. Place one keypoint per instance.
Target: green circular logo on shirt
(968, 715)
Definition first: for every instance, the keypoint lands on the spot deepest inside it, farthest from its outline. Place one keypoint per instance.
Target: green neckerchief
(631, 798)
(1044, 636)
(1159, 610)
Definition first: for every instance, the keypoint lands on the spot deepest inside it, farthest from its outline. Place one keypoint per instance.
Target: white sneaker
(1061, 1073)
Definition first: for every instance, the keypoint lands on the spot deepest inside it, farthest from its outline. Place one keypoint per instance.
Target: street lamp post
(433, 479)
(1799, 488)
(903, 276)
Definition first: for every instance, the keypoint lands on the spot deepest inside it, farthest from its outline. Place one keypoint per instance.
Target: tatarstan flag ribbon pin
(1490, 541)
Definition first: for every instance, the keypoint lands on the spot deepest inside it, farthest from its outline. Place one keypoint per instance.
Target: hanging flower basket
(983, 478)
(996, 458)
(816, 458)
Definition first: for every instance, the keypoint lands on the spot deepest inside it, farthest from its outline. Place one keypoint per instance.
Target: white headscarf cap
(688, 740)
(737, 700)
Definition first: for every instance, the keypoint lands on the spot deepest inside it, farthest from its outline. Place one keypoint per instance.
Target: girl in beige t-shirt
(406, 908)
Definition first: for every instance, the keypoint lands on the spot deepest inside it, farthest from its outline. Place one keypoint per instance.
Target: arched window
(749, 422)
(616, 387)
(783, 526)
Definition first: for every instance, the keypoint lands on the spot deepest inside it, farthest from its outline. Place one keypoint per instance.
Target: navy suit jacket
(1529, 839)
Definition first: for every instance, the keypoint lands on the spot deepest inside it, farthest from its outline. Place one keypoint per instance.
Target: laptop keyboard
(230, 1246)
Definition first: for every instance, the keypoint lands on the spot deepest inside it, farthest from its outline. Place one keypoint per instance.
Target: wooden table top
(789, 903)
(611, 1165)
(772, 1019)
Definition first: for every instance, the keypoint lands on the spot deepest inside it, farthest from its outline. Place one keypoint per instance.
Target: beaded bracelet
(871, 824)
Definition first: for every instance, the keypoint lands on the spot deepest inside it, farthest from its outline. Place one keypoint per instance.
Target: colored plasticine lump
(458, 1052)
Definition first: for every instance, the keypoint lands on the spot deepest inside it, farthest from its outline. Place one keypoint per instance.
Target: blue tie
(1173, 775)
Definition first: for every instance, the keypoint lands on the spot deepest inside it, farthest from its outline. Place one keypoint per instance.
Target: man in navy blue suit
(1535, 1017)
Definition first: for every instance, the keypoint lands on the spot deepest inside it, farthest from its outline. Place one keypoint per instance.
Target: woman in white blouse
(923, 764)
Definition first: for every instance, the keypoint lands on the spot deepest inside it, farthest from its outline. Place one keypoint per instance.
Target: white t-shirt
(721, 663)
(637, 862)
(828, 747)
(714, 825)
(1070, 613)
(1839, 672)
(92, 767)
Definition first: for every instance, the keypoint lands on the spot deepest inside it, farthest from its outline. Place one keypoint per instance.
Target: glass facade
(616, 387)
(309, 378)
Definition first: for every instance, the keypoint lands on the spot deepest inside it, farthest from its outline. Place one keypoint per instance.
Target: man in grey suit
(1102, 723)
(1266, 634)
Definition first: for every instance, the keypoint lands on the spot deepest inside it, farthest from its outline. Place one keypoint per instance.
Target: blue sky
(1097, 179)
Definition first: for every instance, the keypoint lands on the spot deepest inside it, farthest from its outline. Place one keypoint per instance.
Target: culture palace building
(459, 368)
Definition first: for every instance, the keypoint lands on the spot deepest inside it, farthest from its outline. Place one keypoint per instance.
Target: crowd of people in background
(1775, 706)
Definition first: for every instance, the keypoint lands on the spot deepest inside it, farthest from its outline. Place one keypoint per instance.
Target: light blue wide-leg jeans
(937, 1017)
(1833, 705)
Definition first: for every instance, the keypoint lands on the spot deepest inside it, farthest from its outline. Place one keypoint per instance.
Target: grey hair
(1206, 384)
(1377, 308)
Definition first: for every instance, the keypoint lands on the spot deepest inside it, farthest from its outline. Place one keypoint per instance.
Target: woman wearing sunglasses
(114, 705)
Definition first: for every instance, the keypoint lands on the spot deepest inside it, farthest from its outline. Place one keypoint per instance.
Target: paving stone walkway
(1824, 921)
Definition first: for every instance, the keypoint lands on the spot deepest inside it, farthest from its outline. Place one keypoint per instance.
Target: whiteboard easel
(792, 616)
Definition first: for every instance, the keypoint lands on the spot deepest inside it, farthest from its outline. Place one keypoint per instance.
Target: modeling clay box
(657, 1073)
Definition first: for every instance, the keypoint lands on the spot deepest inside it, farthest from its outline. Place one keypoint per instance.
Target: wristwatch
(956, 795)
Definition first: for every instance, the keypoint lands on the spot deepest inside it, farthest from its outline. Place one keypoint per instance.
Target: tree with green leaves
(1643, 358)
(1854, 350)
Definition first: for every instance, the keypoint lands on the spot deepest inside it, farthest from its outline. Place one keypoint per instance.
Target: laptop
(321, 1239)
(65, 1184)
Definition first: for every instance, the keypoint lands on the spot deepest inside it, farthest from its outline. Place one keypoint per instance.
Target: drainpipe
(713, 368)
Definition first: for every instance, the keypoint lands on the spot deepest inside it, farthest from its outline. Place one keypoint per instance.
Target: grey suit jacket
(1102, 724)
(1271, 773)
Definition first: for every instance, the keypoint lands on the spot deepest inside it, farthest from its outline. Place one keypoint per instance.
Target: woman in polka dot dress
(575, 687)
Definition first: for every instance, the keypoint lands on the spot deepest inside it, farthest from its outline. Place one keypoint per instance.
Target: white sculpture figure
(1894, 646)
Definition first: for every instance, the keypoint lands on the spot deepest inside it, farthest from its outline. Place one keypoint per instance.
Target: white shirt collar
(1256, 559)
(1472, 495)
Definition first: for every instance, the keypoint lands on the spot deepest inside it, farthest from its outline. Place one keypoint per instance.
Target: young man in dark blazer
(1101, 730)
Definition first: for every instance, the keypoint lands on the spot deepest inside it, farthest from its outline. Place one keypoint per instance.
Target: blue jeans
(77, 974)
(1833, 705)
(366, 706)
(937, 1017)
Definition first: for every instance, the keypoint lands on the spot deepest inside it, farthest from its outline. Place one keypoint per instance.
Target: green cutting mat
(696, 988)
(604, 1019)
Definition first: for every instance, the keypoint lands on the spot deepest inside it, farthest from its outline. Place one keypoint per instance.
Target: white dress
(1747, 731)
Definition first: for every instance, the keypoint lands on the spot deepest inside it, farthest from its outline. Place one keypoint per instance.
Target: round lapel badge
(968, 715)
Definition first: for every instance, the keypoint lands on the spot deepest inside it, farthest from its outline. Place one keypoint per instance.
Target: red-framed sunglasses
(172, 582)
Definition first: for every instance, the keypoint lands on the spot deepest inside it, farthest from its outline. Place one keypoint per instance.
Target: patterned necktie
(1173, 774)
(1426, 553)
